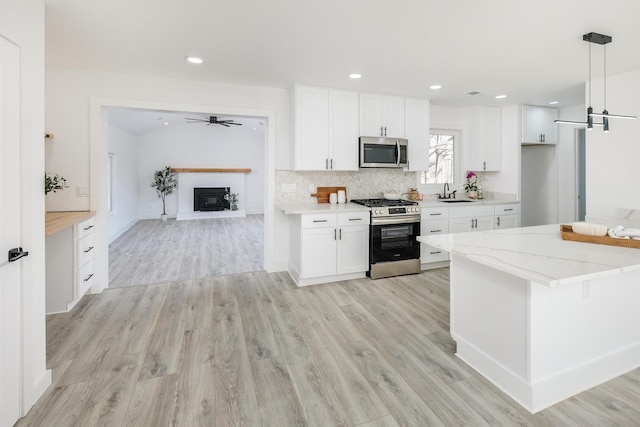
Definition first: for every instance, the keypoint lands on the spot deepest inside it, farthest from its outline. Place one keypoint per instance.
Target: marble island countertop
(538, 254)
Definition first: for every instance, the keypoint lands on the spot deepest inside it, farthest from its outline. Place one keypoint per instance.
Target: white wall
(124, 148)
(201, 146)
(612, 158)
(22, 22)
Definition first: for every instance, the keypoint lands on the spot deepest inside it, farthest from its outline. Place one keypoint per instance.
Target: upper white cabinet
(381, 115)
(326, 129)
(416, 130)
(484, 142)
(538, 125)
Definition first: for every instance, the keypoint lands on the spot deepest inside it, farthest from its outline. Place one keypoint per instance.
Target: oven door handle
(400, 219)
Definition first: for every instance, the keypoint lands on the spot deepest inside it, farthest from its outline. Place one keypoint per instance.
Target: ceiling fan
(213, 120)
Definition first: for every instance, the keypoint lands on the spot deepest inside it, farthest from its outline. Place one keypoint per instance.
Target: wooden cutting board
(322, 193)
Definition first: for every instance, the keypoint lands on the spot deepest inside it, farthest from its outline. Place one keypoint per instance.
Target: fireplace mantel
(212, 170)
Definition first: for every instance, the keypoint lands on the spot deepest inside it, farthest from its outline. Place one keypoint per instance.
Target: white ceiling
(530, 50)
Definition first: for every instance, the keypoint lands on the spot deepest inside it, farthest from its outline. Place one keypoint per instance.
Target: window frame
(457, 154)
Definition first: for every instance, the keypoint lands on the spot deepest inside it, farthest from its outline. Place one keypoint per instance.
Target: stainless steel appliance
(378, 152)
(393, 248)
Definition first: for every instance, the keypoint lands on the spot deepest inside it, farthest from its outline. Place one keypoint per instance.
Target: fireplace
(210, 199)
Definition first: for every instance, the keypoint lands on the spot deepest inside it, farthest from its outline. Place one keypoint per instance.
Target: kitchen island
(540, 317)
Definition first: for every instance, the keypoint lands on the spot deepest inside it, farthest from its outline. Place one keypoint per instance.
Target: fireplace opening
(210, 199)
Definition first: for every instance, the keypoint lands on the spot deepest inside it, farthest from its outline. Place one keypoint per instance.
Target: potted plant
(164, 181)
(53, 183)
(233, 199)
(471, 186)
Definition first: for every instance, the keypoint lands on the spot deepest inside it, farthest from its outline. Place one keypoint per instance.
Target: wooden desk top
(57, 221)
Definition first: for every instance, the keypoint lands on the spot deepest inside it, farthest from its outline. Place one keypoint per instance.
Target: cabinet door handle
(381, 133)
(88, 249)
(435, 231)
(335, 234)
(88, 277)
(355, 219)
(331, 163)
(319, 220)
(340, 237)
(88, 228)
(484, 166)
(508, 210)
(435, 214)
(385, 131)
(326, 163)
(435, 252)
(498, 219)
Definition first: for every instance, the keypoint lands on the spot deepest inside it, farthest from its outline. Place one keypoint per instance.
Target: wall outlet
(82, 191)
(288, 188)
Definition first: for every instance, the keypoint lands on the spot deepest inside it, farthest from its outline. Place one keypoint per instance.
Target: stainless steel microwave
(378, 152)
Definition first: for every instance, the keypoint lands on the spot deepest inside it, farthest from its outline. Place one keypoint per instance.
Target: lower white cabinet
(507, 216)
(329, 247)
(433, 221)
(69, 266)
(471, 218)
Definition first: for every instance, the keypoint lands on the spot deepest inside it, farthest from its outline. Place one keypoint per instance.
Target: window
(442, 149)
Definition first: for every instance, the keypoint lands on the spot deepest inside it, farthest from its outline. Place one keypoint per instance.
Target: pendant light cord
(590, 73)
(605, 76)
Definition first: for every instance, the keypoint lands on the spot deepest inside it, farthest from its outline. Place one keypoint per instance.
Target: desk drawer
(85, 250)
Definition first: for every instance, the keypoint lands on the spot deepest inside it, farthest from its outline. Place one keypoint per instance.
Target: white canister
(333, 198)
(342, 196)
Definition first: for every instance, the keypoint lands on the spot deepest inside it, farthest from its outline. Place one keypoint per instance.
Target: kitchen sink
(456, 201)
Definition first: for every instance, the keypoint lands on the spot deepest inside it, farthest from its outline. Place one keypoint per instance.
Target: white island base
(541, 344)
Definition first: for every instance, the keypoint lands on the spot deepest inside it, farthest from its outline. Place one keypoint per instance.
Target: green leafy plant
(53, 183)
(164, 181)
(233, 199)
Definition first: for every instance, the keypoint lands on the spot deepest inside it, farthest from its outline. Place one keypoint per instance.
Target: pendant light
(603, 40)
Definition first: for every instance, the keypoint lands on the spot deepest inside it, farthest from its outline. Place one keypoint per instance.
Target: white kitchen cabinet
(326, 129)
(381, 115)
(331, 246)
(538, 125)
(69, 266)
(507, 216)
(433, 221)
(416, 131)
(484, 141)
(471, 218)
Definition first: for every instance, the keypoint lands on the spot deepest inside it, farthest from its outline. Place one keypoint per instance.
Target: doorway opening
(142, 249)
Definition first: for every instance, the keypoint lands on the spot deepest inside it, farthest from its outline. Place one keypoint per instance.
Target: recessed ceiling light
(355, 76)
(435, 87)
(193, 59)
(501, 96)
(554, 102)
(166, 123)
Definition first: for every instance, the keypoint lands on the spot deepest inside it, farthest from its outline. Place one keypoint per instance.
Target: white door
(10, 301)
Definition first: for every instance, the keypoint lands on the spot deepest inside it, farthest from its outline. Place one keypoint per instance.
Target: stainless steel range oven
(393, 247)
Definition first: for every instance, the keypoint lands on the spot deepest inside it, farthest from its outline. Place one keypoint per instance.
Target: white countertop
(435, 203)
(538, 254)
(313, 208)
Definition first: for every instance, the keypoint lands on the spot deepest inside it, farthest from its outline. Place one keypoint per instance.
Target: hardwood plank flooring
(255, 350)
(153, 251)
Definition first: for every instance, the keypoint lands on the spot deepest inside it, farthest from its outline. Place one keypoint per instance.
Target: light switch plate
(82, 191)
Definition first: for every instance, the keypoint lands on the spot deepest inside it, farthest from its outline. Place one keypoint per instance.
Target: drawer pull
(88, 228)
(436, 214)
(435, 252)
(435, 231)
(88, 277)
(319, 220)
(88, 250)
(507, 210)
(355, 219)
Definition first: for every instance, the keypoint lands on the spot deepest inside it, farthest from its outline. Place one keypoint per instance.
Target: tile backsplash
(365, 183)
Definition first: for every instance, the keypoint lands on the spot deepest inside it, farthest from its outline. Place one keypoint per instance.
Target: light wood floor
(153, 251)
(252, 349)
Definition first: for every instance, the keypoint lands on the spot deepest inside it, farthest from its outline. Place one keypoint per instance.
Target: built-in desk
(69, 258)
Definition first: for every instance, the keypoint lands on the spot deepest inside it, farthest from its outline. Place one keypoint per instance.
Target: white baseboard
(212, 214)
